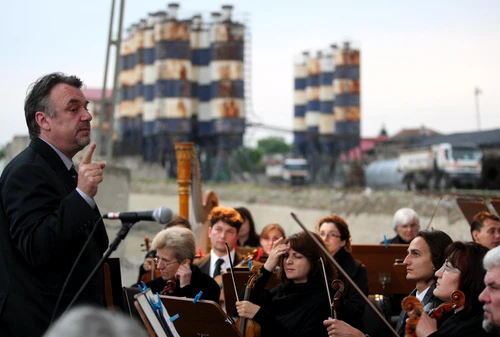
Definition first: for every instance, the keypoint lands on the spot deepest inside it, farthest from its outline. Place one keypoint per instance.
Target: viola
(153, 273)
(248, 327)
(414, 308)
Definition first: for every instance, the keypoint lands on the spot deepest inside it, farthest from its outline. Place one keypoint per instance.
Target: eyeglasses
(329, 235)
(157, 261)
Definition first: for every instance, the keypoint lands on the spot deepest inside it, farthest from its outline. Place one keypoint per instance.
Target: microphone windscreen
(166, 215)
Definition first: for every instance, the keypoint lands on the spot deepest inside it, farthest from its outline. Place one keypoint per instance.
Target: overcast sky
(420, 60)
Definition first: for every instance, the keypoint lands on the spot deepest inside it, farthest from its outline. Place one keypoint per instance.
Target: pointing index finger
(87, 157)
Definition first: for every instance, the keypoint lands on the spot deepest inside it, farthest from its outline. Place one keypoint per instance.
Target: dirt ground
(368, 213)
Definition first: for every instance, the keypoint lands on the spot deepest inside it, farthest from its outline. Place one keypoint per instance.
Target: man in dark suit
(48, 212)
(225, 222)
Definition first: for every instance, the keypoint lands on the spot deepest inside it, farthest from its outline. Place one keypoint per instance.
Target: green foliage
(2, 152)
(272, 145)
(248, 159)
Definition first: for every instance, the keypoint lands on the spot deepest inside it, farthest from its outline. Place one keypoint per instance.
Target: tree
(272, 145)
(248, 159)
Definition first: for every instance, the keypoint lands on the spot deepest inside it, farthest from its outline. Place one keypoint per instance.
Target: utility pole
(105, 138)
(478, 91)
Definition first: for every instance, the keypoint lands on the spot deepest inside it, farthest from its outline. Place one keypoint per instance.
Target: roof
(408, 133)
(94, 94)
(480, 138)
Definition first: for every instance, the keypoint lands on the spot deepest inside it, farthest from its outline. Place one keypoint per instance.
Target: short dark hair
(301, 242)
(38, 98)
(342, 227)
(437, 241)
(478, 220)
(225, 214)
(178, 221)
(468, 258)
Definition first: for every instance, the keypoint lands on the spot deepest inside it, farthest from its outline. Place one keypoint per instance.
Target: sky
(420, 60)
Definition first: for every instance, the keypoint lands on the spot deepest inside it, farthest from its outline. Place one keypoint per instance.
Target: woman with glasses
(462, 270)
(334, 232)
(175, 251)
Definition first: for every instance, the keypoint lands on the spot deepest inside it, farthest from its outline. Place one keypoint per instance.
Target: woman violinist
(462, 270)
(298, 306)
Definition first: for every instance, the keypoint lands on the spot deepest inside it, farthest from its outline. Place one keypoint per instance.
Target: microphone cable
(73, 269)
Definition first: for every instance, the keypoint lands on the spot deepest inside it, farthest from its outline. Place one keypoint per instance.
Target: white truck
(291, 170)
(440, 166)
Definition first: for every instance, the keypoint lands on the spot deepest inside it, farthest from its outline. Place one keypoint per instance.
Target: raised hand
(183, 274)
(89, 173)
(277, 251)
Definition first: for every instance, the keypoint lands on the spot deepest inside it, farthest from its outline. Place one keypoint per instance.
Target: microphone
(161, 215)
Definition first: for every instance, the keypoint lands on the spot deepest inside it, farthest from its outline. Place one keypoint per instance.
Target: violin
(153, 273)
(337, 285)
(248, 327)
(253, 255)
(414, 308)
(169, 288)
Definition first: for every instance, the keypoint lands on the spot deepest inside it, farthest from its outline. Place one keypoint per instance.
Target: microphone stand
(112, 247)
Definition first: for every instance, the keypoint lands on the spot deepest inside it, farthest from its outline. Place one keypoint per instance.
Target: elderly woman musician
(299, 304)
(406, 224)
(334, 232)
(175, 251)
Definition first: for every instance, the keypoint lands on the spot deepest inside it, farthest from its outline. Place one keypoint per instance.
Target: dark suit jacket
(204, 262)
(44, 223)
(429, 302)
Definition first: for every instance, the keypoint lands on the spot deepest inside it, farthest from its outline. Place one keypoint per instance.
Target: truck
(441, 166)
(294, 171)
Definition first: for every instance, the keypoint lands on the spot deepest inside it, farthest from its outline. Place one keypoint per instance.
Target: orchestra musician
(406, 224)
(225, 222)
(425, 255)
(299, 304)
(491, 293)
(462, 270)
(247, 236)
(269, 234)
(175, 251)
(334, 232)
(485, 229)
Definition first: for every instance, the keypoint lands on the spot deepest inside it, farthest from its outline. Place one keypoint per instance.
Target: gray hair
(180, 240)
(97, 322)
(404, 216)
(38, 98)
(492, 258)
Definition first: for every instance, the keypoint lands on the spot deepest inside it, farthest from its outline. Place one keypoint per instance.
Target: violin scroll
(169, 288)
(458, 301)
(414, 308)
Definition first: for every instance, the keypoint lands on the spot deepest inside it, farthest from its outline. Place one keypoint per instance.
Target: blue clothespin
(386, 243)
(197, 297)
(157, 306)
(142, 286)
(174, 317)
(250, 264)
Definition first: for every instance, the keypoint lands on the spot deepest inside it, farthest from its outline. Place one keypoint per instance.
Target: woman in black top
(247, 234)
(334, 231)
(298, 306)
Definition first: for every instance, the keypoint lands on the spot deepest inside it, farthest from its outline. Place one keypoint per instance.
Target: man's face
(219, 234)
(408, 231)
(491, 299)
(418, 262)
(69, 129)
(489, 234)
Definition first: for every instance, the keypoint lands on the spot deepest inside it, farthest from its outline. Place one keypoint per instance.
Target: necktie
(74, 174)
(218, 264)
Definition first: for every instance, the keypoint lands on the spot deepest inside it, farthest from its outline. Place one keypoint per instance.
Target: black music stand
(495, 202)
(203, 318)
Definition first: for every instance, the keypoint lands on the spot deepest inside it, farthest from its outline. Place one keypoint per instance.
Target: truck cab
(295, 171)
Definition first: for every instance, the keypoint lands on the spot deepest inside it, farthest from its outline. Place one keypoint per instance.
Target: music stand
(203, 318)
(471, 206)
(384, 274)
(113, 283)
(495, 202)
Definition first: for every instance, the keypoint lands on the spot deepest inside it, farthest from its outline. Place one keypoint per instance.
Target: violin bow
(332, 313)
(232, 272)
(434, 213)
(346, 277)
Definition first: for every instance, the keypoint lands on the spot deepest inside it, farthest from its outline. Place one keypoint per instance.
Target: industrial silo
(300, 102)
(173, 87)
(313, 114)
(149, 82)
(347, 96)
(226, 90)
